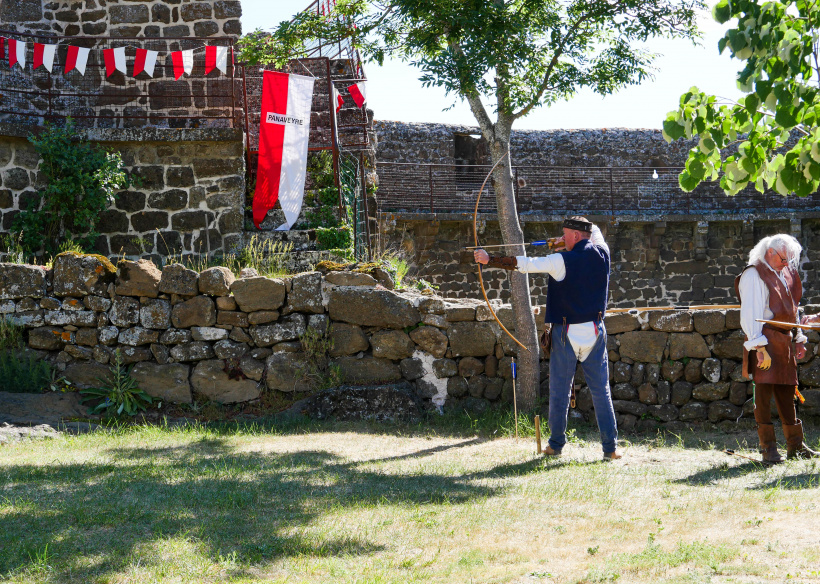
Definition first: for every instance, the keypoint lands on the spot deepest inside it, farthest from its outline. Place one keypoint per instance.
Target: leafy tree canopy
(778, 41)
(518, 54)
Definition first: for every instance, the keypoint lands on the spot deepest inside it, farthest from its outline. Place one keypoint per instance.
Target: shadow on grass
(724, 471)
(99, 518)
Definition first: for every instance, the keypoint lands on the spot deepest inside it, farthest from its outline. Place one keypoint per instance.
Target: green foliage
(11, 334)
(12, 248)
(334, 237)
(119, 393)
(518, 54)
(777, 43)
(325, 214)
(23, 373)
(396, 266)
(423, 284)
(268, 258)
(320, 169)
(81, 182)
(317, 371)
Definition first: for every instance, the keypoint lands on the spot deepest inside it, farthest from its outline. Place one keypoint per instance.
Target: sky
(395, 93)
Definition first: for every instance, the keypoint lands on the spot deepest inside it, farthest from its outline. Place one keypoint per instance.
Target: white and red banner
(17, 53)
(44, 55)
(183, 62)
(284, 128)
(144, 61)
(114, 60)
(216, 58)
(76, 59)
(358, 93)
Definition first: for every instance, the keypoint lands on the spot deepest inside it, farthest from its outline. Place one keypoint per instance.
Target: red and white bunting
(17, 53)
(44, 56)
(76, 59)
(145, 61)
(337, 99)
(216, 58)
(358, 93)
(183, 62)
(114, 60)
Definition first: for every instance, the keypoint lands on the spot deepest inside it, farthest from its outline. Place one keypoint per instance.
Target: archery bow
(475, 238)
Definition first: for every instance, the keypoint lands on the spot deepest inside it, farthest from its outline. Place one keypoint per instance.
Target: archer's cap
(578, 225)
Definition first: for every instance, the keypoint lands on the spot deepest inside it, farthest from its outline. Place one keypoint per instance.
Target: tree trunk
(527, 384)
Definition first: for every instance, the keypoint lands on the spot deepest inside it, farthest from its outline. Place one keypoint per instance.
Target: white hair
(782, 243)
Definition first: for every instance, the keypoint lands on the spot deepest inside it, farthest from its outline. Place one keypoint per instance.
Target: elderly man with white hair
(769, 288)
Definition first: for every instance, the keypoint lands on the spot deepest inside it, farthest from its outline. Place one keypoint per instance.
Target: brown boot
(795, 447)
(768, 444)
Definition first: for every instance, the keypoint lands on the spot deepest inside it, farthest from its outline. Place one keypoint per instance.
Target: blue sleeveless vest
(581, 296)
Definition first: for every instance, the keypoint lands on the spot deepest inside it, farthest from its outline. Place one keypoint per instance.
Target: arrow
(702, 307)
(551, 243)
(790, 325)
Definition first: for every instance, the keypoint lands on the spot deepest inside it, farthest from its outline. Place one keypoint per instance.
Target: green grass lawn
(448, 502)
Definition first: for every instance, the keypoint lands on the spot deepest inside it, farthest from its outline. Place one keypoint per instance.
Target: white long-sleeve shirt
(581, 336)
(754, 304)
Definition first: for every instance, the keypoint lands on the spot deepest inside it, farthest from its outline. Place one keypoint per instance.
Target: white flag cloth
(188, 61)
(19, 48)
(119, 59)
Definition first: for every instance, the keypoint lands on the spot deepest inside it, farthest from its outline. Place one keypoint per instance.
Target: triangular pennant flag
(114, 60)
(357, 92)
(338, 99)
(145, 61)
(76, 59)
(17, 53)
(183, 62)
(44, 55)
(216, 57)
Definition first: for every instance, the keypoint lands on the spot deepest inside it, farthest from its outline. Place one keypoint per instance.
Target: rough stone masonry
(209, 336)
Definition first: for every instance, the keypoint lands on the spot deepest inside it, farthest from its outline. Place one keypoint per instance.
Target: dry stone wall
(188, 193)
(209, 336)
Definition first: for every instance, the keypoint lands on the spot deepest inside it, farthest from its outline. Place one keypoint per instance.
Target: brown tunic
(783, 302)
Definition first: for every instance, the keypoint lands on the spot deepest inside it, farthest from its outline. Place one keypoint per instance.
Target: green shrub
(119, 393)
(334, 237)
(320, 169)
(81, 180)
(23, 373)
(11, 334)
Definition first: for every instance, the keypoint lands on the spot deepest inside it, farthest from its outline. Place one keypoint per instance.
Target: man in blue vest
(576, 305)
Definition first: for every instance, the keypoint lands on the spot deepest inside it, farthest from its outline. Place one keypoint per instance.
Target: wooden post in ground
(538, 434)
(515, 404)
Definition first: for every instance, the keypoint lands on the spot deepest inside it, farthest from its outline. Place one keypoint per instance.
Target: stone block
(693, 412)
(644, 346)
(621, 323)
(167, 383)
(371, 307)
(198, 311)
(347, 339)
(392, 344)
(693, 372)
(723, 410)
(48, 338)
(664, 413)
(457, 387)
(77, 275)
(470, 366)
(709, 322)
(171, 200)
(412, 369)
(216, 281)
(289, 328)
(688, 345)
(708, 392)
(305, 294)
(733, 319)
(226, 349)
(192, 220)
(97, 303)
(155, 314)
(136, 336)
(430, 340)
(350, 279)
(177, 279)
(125, 311)
(647, 394)
(258, 293)
(210, 380)
(22, 281)
(175, 337)
(208, 333)
(128, 14)
(629, 407)
(193, 351)
(459, 312)
(196, 11)
(224, 9)
(149, 221)
(262, 316)
(472, 339)
(139, 278)
(230, 318)
(672, 321)
(85, 375)
(367, 370)
(711, 370)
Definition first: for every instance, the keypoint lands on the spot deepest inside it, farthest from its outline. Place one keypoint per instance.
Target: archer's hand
(764, 360)
(481, 256)
(800, 351)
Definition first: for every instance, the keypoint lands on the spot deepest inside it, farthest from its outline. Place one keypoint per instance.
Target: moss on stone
(104, 261)
(331, 266)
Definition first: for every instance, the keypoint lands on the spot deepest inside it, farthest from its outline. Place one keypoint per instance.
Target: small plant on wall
(81, 181)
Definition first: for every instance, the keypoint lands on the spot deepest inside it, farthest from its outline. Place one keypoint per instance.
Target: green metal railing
(352, 185)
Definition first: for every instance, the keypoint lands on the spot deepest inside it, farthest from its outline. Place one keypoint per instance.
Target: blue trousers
(563, 363)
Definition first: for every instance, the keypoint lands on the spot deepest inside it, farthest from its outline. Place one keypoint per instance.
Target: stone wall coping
(546, 218)
(136, 134)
